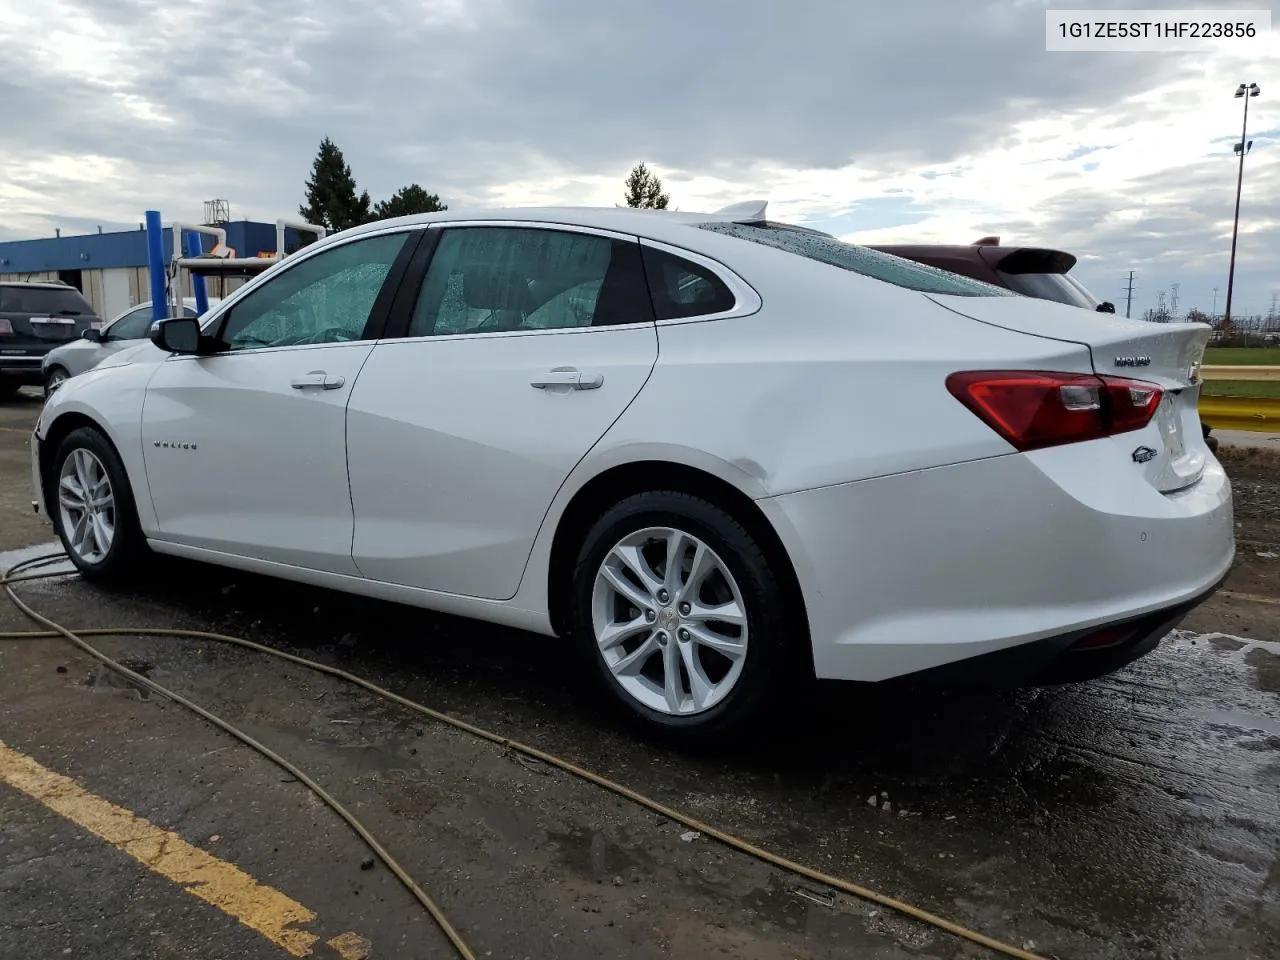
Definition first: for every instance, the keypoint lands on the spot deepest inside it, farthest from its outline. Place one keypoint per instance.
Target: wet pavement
(1135, 816)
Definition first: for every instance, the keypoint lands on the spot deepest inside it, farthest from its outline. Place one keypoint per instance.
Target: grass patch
(1241, 388)
(1243, 356)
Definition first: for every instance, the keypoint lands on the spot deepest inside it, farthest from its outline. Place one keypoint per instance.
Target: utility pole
(1213, 311)
(1173, 300)
(1244, 92)
(1128, 300)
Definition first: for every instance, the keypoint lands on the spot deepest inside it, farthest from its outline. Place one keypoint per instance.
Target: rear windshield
(51, 301)
(1052, 286)
(856, 259)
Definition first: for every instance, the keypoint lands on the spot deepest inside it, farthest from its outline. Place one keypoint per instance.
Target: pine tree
(331, 192)
(408, 200)
(644, 189)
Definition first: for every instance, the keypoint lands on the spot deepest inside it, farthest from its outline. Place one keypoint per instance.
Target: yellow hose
(728, 839)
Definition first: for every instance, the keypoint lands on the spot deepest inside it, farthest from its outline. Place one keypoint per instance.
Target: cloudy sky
(912, 120)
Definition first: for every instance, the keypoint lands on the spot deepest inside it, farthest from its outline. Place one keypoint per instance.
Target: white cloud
(932, 121)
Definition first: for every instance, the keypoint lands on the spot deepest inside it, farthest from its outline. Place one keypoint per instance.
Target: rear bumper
(24, 369)
(1070, 657)
(914, 572)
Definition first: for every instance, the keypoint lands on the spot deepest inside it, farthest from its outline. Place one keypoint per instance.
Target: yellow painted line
(351, 946)
(227, 887)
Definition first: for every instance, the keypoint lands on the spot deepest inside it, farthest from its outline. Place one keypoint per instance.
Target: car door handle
(568, 377)
(317, 379)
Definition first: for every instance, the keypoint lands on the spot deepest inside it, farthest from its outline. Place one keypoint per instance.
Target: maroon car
(1033, 271)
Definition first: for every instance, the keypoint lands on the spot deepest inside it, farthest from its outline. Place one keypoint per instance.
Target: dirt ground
(1137, 816)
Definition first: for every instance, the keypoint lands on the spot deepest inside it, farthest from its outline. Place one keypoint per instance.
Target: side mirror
(176, 335)
(1106, 306)
(92, 335)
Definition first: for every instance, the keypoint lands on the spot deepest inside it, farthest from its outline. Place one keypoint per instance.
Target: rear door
(522, 344)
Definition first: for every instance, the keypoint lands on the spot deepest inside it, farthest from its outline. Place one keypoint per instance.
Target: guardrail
(1253, 374)
(1259, 414)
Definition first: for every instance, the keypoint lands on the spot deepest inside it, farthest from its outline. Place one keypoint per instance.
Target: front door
(245, 449)
(525, 345)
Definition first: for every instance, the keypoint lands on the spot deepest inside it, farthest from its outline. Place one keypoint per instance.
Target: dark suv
(1033, 271)
(35, 318)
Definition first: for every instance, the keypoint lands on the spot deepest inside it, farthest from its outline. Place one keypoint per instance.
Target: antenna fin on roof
(745, 211)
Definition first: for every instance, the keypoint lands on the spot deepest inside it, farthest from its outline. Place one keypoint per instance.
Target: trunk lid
(1170, 450)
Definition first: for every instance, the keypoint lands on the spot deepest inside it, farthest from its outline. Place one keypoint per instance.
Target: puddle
(589, 853)
(1235, 718)
(1267, 665)
(10, 558)
(105, 678)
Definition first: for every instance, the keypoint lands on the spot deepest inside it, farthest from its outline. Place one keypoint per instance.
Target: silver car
(124, 330)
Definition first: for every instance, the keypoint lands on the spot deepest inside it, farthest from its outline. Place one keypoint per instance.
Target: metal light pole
(1242, 92)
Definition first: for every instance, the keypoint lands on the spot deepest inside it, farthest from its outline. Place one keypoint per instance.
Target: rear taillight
(5, 326)
(1033, 409)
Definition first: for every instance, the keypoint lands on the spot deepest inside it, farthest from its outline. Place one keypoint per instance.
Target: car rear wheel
(680, 616)
(93, 507)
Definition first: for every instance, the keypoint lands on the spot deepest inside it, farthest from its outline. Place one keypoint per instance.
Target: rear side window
(50, 301)
(682, 288)
(857, 259)
(498, 279)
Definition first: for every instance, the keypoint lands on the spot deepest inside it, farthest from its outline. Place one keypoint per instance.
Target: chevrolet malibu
(718, 453)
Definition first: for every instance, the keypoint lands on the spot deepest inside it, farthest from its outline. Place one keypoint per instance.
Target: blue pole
(194, 249)
(155, 263)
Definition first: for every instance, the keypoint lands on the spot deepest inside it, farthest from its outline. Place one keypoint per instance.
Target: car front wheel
(680, 615)
(93, 508)
(55, 378)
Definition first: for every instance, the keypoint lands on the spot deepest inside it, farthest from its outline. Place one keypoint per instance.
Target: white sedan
(721, 455)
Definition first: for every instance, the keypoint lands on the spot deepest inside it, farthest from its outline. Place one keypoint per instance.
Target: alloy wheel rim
(669, 621)
(87, 506)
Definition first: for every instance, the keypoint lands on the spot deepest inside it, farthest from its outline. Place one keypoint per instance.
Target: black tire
(774, 643)
(128, 549)
(9, 388)
(48, 380)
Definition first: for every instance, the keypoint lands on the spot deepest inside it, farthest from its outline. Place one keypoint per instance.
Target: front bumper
(913, 572)
(37, 481)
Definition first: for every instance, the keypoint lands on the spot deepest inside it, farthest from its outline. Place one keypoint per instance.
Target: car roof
(39, 284)
(670, 225)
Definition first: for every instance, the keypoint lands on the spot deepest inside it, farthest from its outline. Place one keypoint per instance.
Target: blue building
(110, 269)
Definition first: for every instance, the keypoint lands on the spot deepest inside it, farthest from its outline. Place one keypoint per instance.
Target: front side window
(857, 259)
(325, 299)
(134, 325)
(493, 279)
